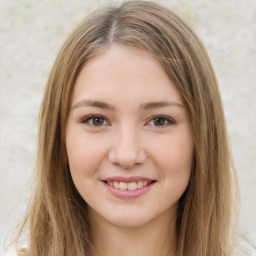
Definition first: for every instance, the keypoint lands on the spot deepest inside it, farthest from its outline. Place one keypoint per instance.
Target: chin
(129, 222)
(129, 218)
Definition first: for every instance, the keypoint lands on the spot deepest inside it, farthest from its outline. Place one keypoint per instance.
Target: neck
(155, 238)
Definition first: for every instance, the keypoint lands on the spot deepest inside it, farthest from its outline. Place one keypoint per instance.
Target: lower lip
(128, 193)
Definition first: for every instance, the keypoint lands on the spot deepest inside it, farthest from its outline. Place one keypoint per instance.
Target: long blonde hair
(57, 217)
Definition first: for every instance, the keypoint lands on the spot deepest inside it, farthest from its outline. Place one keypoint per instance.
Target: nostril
(127, 160)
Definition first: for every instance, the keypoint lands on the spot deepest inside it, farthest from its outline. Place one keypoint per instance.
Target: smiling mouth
(129, 185)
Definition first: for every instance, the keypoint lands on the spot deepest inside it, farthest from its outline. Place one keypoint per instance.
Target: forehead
(125, 72)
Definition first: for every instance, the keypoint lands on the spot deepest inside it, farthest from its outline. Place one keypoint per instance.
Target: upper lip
(127, 179)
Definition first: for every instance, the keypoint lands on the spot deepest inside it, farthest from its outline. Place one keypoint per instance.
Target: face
(128, 138)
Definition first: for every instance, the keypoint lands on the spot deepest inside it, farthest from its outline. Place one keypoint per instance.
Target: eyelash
(89, 119)
(167, 120)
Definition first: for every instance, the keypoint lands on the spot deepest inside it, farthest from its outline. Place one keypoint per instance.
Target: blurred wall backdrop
(32, 32)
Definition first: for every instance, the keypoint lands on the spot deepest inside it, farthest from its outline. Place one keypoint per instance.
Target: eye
(160, 121)
(95, 120)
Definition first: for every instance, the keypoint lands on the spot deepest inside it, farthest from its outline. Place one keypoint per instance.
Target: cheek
(84, 154)
(175, 152)
(84, 160)
(174, 159)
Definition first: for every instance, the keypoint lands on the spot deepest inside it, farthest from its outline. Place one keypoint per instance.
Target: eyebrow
(146, 106)
(93, 103)
(160, 104)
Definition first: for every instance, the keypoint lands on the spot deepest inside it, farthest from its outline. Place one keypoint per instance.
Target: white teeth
(110, 183)
(123, 185)
(132, 186)
(128, 186)
(116, 184)
(140, 184)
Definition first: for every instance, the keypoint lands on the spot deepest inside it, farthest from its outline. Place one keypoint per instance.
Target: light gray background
(31, 33)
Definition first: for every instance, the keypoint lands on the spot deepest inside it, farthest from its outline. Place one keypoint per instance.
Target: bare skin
(151, 240)
(128, 125)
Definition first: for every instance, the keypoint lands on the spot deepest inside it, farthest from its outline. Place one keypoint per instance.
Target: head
(203, 213)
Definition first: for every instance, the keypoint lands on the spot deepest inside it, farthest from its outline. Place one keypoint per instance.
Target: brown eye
(159, 121)
(98, 121)
(94, 120)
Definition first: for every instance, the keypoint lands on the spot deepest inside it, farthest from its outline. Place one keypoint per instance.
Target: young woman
(133, 156)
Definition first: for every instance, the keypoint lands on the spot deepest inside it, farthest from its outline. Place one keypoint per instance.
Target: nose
(126, 150)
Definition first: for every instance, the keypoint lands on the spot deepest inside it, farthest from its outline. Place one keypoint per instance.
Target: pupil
(98, 121)
(159, 121)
